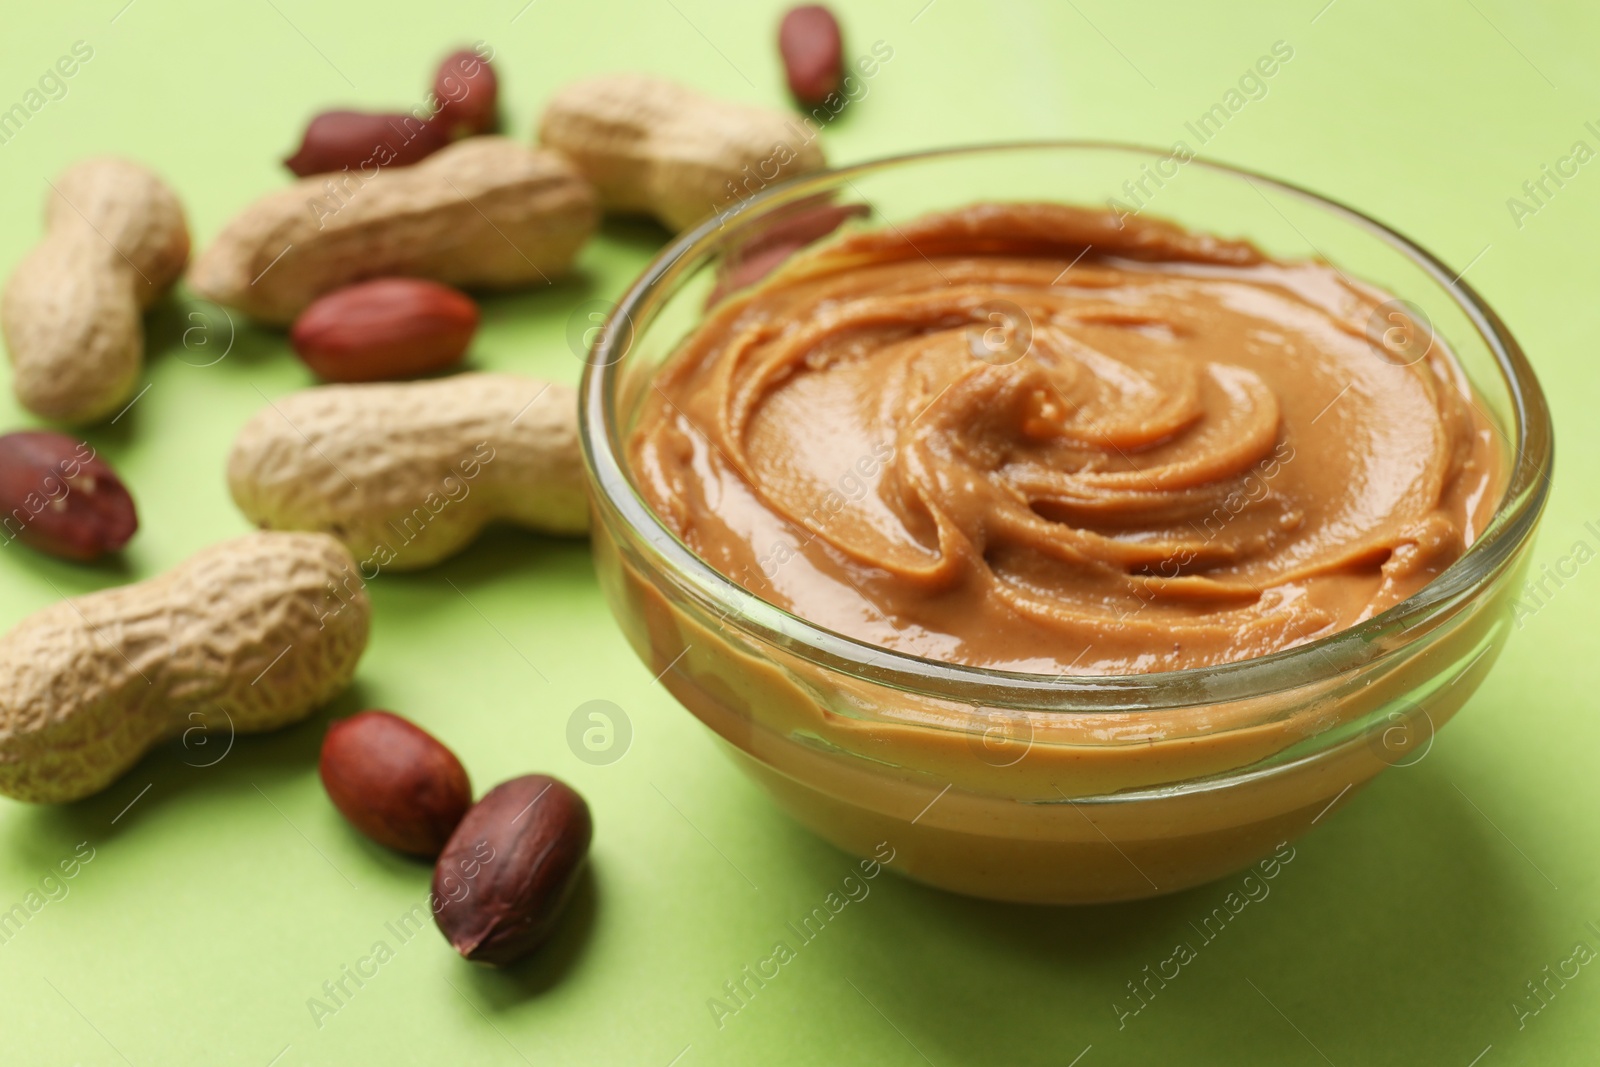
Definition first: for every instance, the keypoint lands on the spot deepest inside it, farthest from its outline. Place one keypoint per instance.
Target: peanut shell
(483, 213)
(248, 635)
(650, 145)
(115, 241)
(407, 474)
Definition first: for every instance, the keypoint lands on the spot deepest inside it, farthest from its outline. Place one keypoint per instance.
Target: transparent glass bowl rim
(1509, 529)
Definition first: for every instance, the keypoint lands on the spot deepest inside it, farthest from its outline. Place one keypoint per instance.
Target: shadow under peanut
(503, 988)
(201, 766)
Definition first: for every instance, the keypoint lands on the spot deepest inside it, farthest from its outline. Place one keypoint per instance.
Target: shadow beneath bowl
(1395, 934)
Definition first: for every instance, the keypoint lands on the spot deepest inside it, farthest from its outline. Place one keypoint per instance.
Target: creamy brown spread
(1023, 436)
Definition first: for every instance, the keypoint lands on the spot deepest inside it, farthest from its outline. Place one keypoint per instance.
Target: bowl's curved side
(1027, 787)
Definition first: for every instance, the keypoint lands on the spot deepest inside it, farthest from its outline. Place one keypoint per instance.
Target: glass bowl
(1057, 789)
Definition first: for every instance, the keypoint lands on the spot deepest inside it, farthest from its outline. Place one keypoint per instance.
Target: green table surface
(219, 899)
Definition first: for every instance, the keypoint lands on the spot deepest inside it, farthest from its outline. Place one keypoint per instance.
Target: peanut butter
(1028, 437)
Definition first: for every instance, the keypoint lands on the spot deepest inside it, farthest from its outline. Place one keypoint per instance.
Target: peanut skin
(59, 497)
(394, 781)
(384, 328)
(485, 212)
(652, 146)
(115, 241)
(248, 635)
(406, 474)
(468, 91)
(812, 48)
(507, 872)
(335, 140)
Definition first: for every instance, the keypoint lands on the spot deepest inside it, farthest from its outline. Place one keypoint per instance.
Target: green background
(224, 896)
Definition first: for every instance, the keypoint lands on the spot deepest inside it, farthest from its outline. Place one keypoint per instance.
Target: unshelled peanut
(653, 146)
(812, 49)
(248, 635)
(394, 781)
(485, 212)
(508, 871)
(468, 91)
(115, 241)
(58, 496)
(339, 140)
(407, 474)
(771, 241)
(384, 328)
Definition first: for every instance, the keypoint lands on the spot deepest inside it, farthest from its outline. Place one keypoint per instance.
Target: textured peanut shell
(247, 635)
(486, 212)
(397, 471)
(651, 145)
(115, 241)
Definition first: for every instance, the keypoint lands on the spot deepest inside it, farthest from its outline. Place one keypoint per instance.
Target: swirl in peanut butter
(1024, 437)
